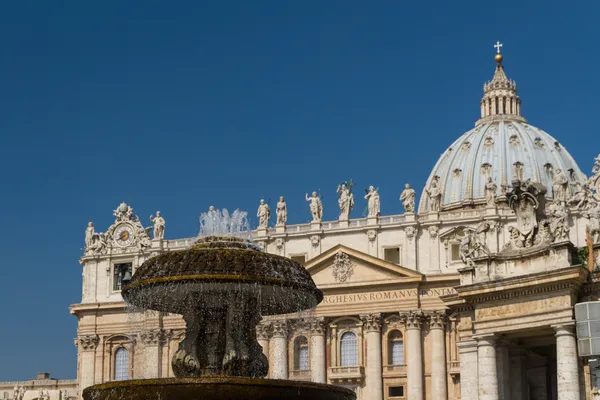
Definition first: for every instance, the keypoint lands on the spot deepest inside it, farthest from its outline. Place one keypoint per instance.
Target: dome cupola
(502, 147)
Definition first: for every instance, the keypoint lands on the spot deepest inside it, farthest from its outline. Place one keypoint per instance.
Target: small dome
(503, 150)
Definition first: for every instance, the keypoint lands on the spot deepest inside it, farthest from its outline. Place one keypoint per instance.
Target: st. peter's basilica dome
(503, 147)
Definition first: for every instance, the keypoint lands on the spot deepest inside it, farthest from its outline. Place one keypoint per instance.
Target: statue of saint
(345, 201)
(263, 214)
(407, 197)
(89, 235)
(159, 226)
(374, 205)
(558, 214)
(316, 207)
(560, 186)
(281, 211)
(490, 192)
(435, 194)
(593, 214)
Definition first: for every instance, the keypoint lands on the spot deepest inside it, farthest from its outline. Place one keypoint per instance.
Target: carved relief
(372, 322)
(264, 331)
(372, 235)
(410, 233)
(528, 202)
(279, 242)
(412, 319)
(89, 342)
(280, 328)
(433, 231)
(343, 267)
(318, 326)
(437, 319)
(153, 337)
(488, 142)
(315, 240)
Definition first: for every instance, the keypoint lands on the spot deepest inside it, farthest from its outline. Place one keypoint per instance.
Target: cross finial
(497, 46)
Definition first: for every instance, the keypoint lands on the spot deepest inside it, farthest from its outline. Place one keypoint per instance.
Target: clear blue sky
(175, 106)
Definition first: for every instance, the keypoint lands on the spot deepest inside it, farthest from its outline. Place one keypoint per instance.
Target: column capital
(318, 326)
(566, 329)
(486, 339)
(264, 330)
(372, 322)
(412, 319)
(153, 337)
(437, 319)
(280, 328)
(88, 342)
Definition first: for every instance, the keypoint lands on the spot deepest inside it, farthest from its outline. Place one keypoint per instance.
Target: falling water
(221, 223)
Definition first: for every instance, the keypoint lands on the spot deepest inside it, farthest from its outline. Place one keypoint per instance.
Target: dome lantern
(500, 99)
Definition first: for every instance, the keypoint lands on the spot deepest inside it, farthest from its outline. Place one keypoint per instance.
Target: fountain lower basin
(217, 388)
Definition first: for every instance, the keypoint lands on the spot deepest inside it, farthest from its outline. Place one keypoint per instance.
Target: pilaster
(153, 341)
(87, 345)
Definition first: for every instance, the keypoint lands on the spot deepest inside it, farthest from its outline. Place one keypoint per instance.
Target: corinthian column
(439, 385)
(567, 364)
(414, 359)
(374, 376)
(153, 340)
(263, 334)
(318, 367)
(279, 346)
(487, 367)
(87, 347)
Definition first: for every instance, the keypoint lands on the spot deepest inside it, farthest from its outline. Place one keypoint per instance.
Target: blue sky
(174, 106)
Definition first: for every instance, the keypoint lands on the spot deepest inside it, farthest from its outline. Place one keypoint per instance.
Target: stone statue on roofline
(281, 211)
(374, 205)
(345, 201)
(159, 226)
(560, 187)
(407, 197)
(316, 207)
(435, 194)
(263, 214)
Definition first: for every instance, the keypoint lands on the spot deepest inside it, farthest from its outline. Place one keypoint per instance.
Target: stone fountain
(222, 286)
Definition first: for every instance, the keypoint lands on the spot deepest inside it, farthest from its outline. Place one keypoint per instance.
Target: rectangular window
(119, 271)
(455, 249)
(300, 259)
(392, 255)
(396, 391)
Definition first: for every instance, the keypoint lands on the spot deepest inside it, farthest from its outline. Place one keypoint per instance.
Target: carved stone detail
(410, 232)
(318, 326)
(264, 331)
(280, 328)
(372, 235)
(315, 240)
(407, 197)
(437, 319)
(279, 242)
(89, 342)
(412, 319)
(372, 322)
(153, 337)
(433, 231)
(343, 267)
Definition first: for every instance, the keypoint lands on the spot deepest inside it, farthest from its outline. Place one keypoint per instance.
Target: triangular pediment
(343, 265)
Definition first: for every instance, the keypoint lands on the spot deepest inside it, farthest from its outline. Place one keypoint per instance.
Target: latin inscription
(387, 295)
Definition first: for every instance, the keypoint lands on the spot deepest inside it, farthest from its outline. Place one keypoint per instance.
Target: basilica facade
(468, 295)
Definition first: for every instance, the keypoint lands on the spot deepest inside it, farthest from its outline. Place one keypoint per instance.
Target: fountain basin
(216, 388)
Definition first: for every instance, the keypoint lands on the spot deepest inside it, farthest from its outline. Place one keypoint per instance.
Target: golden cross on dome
(497, 46)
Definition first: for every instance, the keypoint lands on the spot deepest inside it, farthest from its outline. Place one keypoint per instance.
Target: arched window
(395, 348)
(121, 364)
(349, 350)
(301, 354)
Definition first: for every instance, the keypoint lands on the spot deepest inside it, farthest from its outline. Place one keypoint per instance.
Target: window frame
(113, 282)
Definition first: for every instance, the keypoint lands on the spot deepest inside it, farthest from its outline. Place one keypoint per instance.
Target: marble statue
(159, 226)
(64, 395)
(89, 235)
(263, 214)
(407, 197)
(558, 224)
(593, 214)
(123, 213)
(560, 187)
(435, 194)
(473, 243)
(583, 197)
(316, 207)
(490, 192)
(18, 392)
(374, 205)
(43, 395)
(466, 249)
(345, 201)
(281, 211)
(528, 202)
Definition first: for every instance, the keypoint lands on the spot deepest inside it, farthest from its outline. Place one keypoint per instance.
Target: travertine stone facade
(42, 387)
(469, 299)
